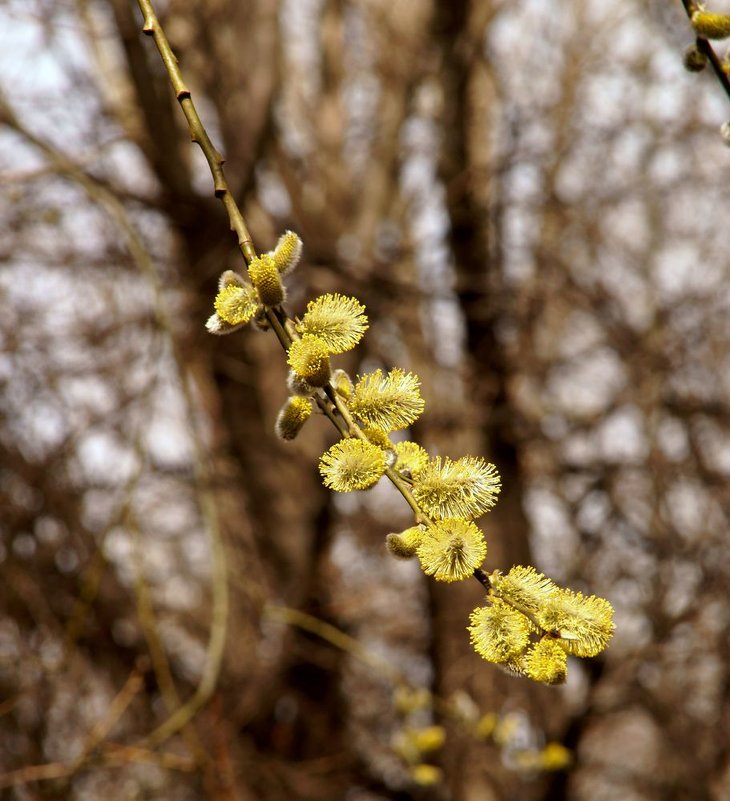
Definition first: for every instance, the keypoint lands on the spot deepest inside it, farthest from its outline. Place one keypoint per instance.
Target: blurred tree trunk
(470, 112)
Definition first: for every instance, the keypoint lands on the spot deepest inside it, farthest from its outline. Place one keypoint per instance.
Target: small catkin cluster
(528, 624)
(708, 25)
(238, 301)
(415, 745)
(507, 732)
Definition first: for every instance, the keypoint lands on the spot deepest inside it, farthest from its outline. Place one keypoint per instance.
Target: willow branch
(151, 27)
(708, 51)
(277, 319)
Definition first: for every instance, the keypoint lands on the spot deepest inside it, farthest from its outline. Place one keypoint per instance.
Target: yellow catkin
(378, 437)
(337, 319)
(428, 739)
(426, 775)
(410, 458)
(309, 359)
(236, 304)
(451, 550)
(555, 756)
(265, 277)
(524, 588)
(292, 416)
(466, 488)
(287, 252)
(411, 699)
(405, 544)
(352, 464)
(546, 662)
(498, 632)
(342, 383)
(486, 725)
(390, 402)
(711, 26)
(584, 623)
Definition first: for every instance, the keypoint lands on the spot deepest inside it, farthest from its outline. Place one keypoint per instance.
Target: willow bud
(694, 59)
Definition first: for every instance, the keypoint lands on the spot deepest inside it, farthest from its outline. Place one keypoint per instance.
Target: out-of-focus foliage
(530, 200)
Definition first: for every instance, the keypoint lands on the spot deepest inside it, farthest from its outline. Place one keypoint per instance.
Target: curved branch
(151, 27)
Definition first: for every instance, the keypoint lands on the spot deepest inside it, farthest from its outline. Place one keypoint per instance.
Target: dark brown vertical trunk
(475, 770)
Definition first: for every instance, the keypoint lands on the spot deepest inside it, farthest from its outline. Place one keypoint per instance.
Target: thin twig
(60, 770)
(151, 27)
(118, 754)
(110, 755)
(334, 636)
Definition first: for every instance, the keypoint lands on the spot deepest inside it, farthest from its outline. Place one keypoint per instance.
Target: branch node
(483, 579)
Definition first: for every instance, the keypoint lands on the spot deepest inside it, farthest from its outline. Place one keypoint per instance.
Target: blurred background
(531, 198)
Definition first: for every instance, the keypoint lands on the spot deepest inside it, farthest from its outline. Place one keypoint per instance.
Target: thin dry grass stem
(145, 608)
(118, 755)
(150, 629)
(447, 708)
(334, 636)
(105, 755)
(117, 708)
(60, 770)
